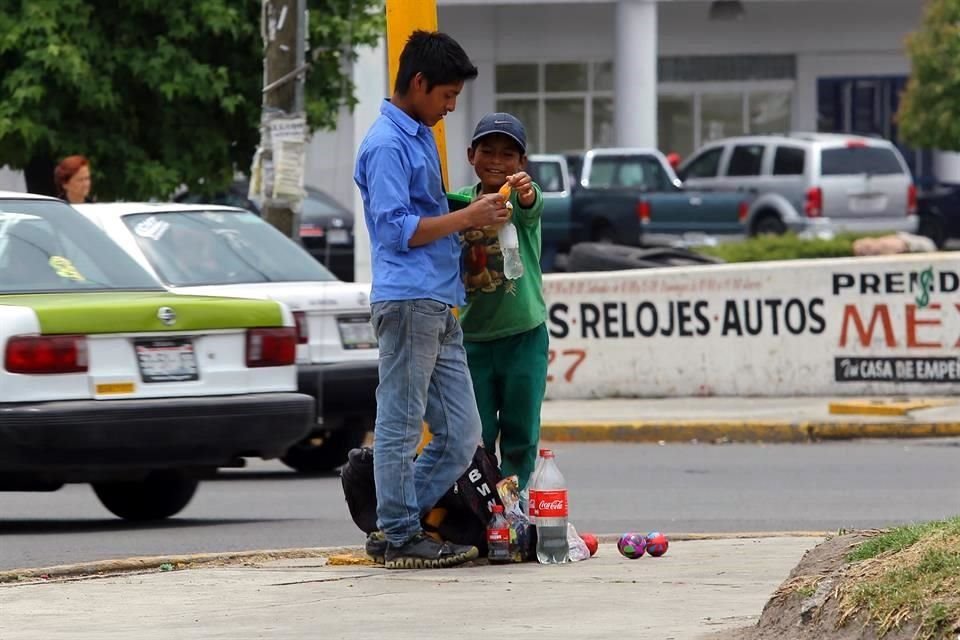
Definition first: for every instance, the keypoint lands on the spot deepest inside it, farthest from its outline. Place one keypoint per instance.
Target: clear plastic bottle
(552, 511)
(510, 248)
(498, 538)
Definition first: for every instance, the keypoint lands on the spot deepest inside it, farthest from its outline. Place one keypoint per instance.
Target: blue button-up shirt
(398, 172)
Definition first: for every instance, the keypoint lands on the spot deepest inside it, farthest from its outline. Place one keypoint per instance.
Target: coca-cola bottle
(498, 537)
(552, 508)
(532, 488)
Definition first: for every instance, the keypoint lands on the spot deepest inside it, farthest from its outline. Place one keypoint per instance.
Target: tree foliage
(157, 93)
(929, 115)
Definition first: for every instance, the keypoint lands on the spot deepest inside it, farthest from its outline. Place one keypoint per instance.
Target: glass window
(603, 76)
(603, 135)
(721, 116)
(704, 165)
(220, 247)
(675, 124)
(517, 78)
(855, 160)
(770, 112)
(566, 77)
(746, 160)
(642, 173)
(564, 120)
(46, 246)
(789, 161)
(529, 114)
(547, 174)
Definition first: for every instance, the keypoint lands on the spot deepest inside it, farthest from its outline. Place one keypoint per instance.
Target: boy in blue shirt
(415, 257)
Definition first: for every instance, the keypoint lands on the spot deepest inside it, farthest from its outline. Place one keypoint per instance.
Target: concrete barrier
(851, 326)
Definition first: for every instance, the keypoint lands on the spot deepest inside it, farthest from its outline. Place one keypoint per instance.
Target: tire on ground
(590, 256)
(159, 495)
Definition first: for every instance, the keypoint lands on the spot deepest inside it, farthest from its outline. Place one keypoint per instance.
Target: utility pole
(277, 174)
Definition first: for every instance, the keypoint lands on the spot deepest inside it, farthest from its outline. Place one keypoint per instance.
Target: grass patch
(785, 247)
(910, 573)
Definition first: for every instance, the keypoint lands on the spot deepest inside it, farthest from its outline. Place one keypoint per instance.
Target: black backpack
(461, 515)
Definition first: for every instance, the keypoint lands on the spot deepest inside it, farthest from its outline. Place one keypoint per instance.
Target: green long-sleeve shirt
(497, 307)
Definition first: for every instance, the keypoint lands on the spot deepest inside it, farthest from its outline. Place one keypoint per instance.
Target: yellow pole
(403, 18)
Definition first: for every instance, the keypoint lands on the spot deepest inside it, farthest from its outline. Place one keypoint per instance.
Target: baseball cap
(503, 123)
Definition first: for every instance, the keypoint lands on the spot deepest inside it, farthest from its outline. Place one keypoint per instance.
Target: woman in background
(72, 179)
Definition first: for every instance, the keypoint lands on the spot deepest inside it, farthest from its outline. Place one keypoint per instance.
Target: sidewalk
(794, 419)
(698, 588)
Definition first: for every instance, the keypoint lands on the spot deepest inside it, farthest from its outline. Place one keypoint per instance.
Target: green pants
(509, 380)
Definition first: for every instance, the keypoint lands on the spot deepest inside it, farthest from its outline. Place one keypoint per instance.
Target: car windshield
(195, 248)
(46, 246)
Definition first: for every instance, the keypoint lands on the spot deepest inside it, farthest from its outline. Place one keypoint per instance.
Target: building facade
(660, 73)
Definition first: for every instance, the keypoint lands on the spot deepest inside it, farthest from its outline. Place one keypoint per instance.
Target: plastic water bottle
(552, 509)
(498, 537)
(510, 248)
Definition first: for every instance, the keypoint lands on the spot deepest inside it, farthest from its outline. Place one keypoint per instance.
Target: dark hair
(437, 56)
(67, 168)
(513, 141)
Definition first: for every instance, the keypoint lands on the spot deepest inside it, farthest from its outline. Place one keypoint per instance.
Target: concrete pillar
(370, 80)
(635, 73)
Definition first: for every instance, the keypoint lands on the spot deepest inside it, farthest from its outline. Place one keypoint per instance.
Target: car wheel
(324, 453)
(932, 227)
(769, 224)
(159, 495)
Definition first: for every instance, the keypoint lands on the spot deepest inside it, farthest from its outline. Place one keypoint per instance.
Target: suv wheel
(159, 495)
(769, 224)
(329, 451)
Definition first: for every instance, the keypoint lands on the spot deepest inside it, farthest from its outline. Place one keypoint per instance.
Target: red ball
(657, 544)
(591, 541)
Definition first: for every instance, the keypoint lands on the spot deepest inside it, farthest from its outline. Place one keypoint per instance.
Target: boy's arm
(486, 210)
(394, 224)
(531, 214)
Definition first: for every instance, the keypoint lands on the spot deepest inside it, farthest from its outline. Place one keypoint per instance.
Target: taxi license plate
(357, 333)
(171, 360)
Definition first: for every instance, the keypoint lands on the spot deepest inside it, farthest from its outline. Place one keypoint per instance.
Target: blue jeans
(423, 376)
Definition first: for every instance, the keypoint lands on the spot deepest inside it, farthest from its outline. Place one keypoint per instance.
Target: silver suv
(811, 181)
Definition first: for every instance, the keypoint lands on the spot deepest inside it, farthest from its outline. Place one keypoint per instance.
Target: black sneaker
(423, 552)
(376, 546)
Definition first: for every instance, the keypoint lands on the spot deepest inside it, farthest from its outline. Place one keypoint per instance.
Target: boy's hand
(523, 185)
(489, 209)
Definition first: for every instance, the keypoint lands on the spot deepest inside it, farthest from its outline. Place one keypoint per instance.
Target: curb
(103, 568)
(878, 407)
(776, 431)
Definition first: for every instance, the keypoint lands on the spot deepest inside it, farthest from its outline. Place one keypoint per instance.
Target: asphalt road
(613, 488)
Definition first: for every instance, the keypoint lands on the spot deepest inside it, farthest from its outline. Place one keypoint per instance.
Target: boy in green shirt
(504, 321)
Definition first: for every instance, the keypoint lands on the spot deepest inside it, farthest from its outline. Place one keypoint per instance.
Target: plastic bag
(578, 548)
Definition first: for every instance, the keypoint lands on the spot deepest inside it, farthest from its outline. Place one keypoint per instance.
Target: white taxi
(106, 378)
(228, 251)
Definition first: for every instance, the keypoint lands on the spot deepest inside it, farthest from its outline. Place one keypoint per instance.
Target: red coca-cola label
(552, 504)
(532, 502)
(498, 535)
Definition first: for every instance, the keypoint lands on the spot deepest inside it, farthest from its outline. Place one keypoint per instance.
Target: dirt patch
(806, 605)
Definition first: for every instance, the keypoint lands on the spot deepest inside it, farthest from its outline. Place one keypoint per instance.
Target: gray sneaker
(423, 552)
(376, 546)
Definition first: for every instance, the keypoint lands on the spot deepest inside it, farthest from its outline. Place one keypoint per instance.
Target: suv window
(789, 161)
(547, 174)
(845, 161)
(704, 165)
(746, 160)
